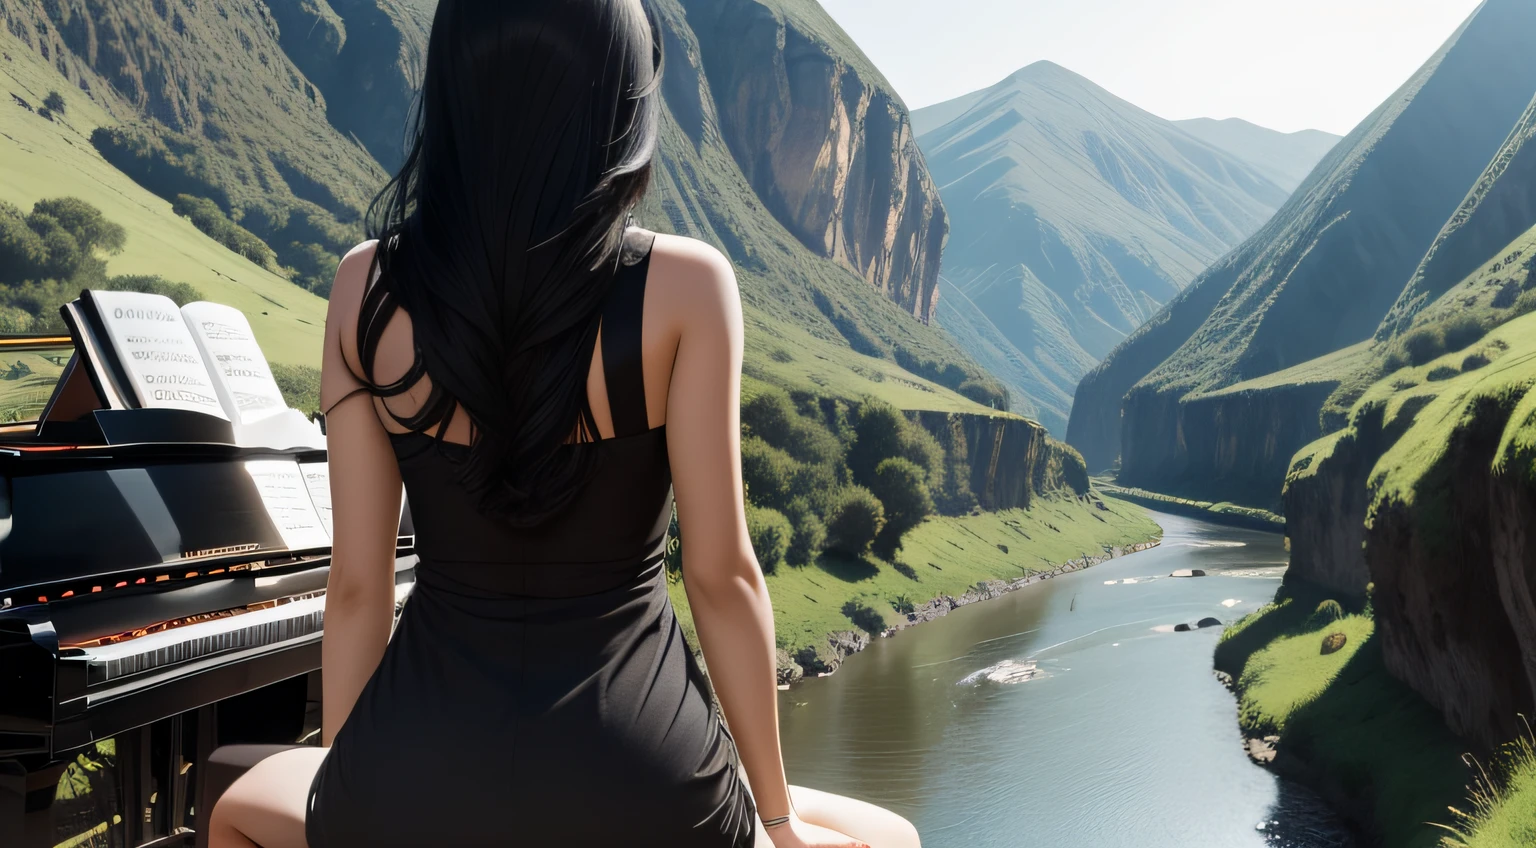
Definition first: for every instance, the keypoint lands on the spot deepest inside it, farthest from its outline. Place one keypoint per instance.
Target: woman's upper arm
(365, 477)
(704, 413)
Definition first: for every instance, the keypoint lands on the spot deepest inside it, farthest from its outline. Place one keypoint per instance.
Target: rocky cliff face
(367, 56)
(1233, 445)
(1430, 494)
(825, 143)
(1012, 460)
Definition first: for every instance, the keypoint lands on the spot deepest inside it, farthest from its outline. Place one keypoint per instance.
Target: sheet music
(286, 495)
(157, 350)
(242, 378)
(317, 478)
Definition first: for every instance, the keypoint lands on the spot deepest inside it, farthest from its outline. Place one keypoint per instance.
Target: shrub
(877, 436)
(809, 536)
(311, 266)
(1473, 362)
(855, 518)
(1461, 330)
(865, 617)
(1422, 344)
(1327, 612)
(903, 605)
(22, 252)
(772, 416)
(816, 484)
(182, 293)
(300, 385)
(63, 251)
(1441, 372)
(15, 320)
(211, 220)
(923, 449)
(902, 490)
(54, 102)
(90, 229)
(770, 533)
(766, 470)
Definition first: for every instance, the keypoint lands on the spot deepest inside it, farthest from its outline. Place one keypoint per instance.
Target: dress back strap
(623, 314)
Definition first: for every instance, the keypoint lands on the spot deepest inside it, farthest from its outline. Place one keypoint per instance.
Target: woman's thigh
(267, 804)
(866, 822)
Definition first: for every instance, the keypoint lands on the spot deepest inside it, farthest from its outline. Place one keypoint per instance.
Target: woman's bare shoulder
(694, 275)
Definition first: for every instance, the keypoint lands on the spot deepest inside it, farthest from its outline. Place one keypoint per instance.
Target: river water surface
(1121, 738)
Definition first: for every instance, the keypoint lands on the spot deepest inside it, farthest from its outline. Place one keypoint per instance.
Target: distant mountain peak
(1046, 71)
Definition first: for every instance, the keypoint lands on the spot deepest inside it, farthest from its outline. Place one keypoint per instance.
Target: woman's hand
(799, 834)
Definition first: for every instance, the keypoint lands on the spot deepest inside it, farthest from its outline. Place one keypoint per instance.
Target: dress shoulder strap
(623, 371)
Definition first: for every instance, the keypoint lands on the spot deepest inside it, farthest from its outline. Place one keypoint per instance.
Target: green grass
(1504, 806)
(945, 556)
(39, 159)
(1330, 368)
(1435, 410)
(1221, 512)
(1344, 721)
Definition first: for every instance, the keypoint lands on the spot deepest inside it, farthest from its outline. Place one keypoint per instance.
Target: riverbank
(1338, 723)
(828, 610)
(1230, 514)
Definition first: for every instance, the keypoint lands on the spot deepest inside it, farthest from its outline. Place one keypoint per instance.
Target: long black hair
(529, 145)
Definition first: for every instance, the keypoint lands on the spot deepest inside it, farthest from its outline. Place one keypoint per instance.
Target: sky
(1283, 64)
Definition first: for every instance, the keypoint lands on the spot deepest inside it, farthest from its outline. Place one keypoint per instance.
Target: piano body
(156, 602)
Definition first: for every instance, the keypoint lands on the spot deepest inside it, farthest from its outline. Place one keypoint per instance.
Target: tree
(767, 472)
(90, 229)
(854, 520)
(54, 102)
(22, 252)
(877, 436)
(902, 489)
(810, 533)
(770, 533)
(64, 253)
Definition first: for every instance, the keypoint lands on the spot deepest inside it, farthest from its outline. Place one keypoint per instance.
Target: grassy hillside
(1074, 217)
(1325, 270)
(1343, 722)
(52, 158)
(1500, 206)
(1286, 158)
(945, 556)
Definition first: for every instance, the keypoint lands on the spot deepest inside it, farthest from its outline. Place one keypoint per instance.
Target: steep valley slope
(1317, 279)
(1074, 217)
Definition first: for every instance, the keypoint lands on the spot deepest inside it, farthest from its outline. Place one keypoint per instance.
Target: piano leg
(224, 767)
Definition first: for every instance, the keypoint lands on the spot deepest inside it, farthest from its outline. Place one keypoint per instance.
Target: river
(1122, 738)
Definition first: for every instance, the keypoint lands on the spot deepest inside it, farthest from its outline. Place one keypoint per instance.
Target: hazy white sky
(1284, 64)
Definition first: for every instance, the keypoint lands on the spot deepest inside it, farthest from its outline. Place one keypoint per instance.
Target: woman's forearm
(735, 629)
(357, 626)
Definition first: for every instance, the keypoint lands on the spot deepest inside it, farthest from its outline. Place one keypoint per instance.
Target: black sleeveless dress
(538, 690)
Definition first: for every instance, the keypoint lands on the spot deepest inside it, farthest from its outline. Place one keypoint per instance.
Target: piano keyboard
(285, 623)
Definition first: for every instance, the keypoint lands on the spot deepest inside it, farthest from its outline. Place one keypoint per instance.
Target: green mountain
(1285, 158)
(1317, 278)
(1074, 217)
(1500, 206)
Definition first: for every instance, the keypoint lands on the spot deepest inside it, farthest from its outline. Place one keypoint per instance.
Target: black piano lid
(89, 514)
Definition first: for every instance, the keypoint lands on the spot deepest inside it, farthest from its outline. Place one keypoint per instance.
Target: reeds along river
(1066, 714)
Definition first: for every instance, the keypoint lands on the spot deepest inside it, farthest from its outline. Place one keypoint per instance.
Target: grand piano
(162, 594)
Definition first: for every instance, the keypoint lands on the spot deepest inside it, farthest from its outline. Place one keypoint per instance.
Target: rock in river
(1188, 572)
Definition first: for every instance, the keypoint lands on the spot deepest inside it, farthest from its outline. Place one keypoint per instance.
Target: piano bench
(224, 767)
